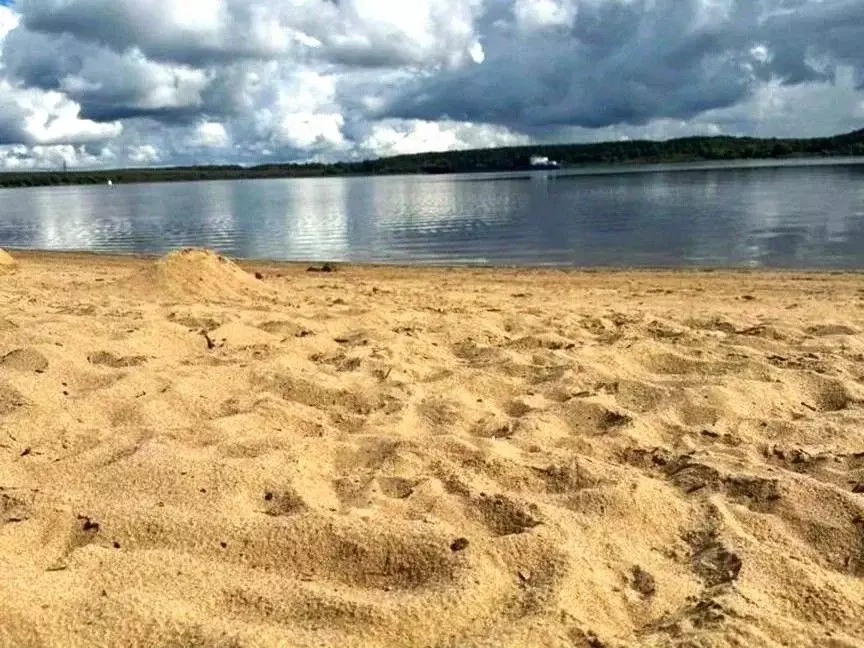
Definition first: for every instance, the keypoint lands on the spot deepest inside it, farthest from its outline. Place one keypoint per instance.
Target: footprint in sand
(397, 487)
(311, 394)
(440, 412)
(502, 515)
(548, 341)
(518, 408)
(339, 361)
(827, 394)
(825, 330)
(194, 322)
(495, 427)
(25, 360)
(476, 355)
(561, 479)
(15, 506)
(711, 560)
(285, 329)
(673, 364)
(591, 418)
(283, 502)
(10, 399)
(108, 359)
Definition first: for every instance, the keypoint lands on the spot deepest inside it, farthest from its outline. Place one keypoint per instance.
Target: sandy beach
(195, 452)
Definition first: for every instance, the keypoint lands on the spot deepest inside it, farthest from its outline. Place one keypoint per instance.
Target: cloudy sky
(136, 82)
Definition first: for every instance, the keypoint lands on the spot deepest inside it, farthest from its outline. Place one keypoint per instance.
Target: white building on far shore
(543, 162)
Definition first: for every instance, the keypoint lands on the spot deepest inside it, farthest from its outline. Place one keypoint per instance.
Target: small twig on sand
(210, 343)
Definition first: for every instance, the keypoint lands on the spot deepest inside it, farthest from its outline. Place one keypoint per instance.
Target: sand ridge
(418, 457)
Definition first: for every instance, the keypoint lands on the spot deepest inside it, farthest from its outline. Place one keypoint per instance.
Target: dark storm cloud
(108, 86)
(631, 62)
(354, 33)
(117, 58)
(617, 62)
(145, 26)
(821, 33)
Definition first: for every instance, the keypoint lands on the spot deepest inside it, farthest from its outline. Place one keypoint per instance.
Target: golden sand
(193, 456)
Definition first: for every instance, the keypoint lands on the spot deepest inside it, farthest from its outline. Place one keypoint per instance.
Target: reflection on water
(315, 219)
(720, 215)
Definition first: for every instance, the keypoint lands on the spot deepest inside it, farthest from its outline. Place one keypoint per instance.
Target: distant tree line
(688, 149)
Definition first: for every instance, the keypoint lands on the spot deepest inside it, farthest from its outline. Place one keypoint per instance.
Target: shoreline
(47, 255)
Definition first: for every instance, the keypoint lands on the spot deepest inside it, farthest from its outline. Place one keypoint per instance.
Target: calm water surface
(794, 216)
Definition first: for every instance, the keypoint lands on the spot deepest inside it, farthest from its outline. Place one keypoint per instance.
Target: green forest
(688, 149)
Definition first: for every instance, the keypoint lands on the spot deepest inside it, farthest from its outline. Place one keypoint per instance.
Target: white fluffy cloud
(50, 158)
(299, 112)
(8, 21)
(96, 82)
(402, 137)
(210, 135)
(534, 15)
(33, 116)
(38, 117)
(144, 154)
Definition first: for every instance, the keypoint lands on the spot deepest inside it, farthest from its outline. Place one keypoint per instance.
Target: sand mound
(7, 263)
(199, 275)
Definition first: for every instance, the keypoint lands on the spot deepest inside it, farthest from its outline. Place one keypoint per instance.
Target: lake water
(734, 215)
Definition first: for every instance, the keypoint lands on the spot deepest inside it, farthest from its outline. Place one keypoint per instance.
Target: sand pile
(7, 263)
(406, 457)
(199, 275)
